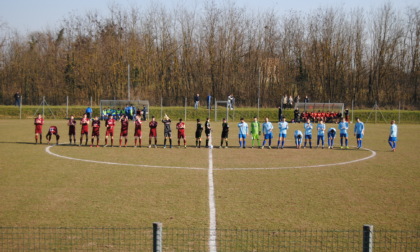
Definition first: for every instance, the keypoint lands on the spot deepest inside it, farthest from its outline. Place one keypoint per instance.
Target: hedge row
(9, 112)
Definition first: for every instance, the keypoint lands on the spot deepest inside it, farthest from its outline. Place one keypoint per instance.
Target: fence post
(367, 238)
(157, 237)
(185, 109)
(161, 108)
(215, 110)
(20, 108)
(67, 107)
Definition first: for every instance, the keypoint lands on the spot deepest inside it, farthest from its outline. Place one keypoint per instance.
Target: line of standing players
(256, 129)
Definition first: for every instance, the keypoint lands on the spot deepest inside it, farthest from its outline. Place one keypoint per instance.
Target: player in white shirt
(392, 140)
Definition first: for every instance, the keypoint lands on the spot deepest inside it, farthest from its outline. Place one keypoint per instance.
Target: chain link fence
(193, 239)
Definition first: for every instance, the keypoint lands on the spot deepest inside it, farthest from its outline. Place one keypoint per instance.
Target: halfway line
(212, 204)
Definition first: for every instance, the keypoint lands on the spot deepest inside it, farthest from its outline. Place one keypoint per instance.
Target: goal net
(320, 107)
(222, 109)
(130, 108)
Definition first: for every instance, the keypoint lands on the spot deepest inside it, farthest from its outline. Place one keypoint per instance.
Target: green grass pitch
(42, 190)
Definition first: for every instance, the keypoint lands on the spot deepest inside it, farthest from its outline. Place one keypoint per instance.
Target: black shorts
(198, 134)
(225, 134)
(207, 132)
(167, 134)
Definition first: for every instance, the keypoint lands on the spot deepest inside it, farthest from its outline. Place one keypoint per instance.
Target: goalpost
(115, 105)
(216, 105)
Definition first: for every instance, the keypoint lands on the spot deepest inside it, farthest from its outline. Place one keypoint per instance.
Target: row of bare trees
(329, 54)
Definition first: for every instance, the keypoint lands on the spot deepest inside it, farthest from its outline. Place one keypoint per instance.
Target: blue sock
(278, 143)
(310, 144)
(263, 143)
(240, 143)
(341, 141)
(322, 142)
(329, 142)
(269, 142)
(395, 145)
(282, 143)
(244, 144)
(360, 143)
(347, 142)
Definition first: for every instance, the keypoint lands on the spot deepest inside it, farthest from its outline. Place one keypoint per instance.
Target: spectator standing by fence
(89, 112)
(347, 115)
(290, 102)
(144, 112)
(17, 97)
(280, 113)
(209, 101)
(306, 100)
(231, 101)
(296, 115)
(297, 99)
(196, 101)
(285, 99)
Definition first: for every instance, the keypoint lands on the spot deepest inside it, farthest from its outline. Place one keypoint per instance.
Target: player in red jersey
(137, 130)
(181, 132)
(124, 129)
(52, 131)
(96, 124)
(72, 129)
(153, 134)
(39, 121)
(85, 128)
(109, 124)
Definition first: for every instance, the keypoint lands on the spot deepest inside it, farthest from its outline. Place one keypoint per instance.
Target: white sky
(36, 15)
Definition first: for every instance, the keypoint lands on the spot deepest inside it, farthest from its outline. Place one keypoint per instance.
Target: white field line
(373, 154)
(113, 163)
(212, 203)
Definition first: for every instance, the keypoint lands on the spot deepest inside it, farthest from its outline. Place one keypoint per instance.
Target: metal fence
(190, 239)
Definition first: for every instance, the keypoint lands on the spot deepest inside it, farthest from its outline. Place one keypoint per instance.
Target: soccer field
(72, 186)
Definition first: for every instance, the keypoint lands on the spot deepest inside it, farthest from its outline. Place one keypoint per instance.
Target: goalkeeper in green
(255, 131)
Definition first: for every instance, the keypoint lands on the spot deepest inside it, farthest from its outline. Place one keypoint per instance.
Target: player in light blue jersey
(267, 127)
(308, 133)
(343, 126)
(283, 127)
(298, 138)
(321, 132)
(392, 140)
(331, 137)
(359, 132)
(243, 133)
